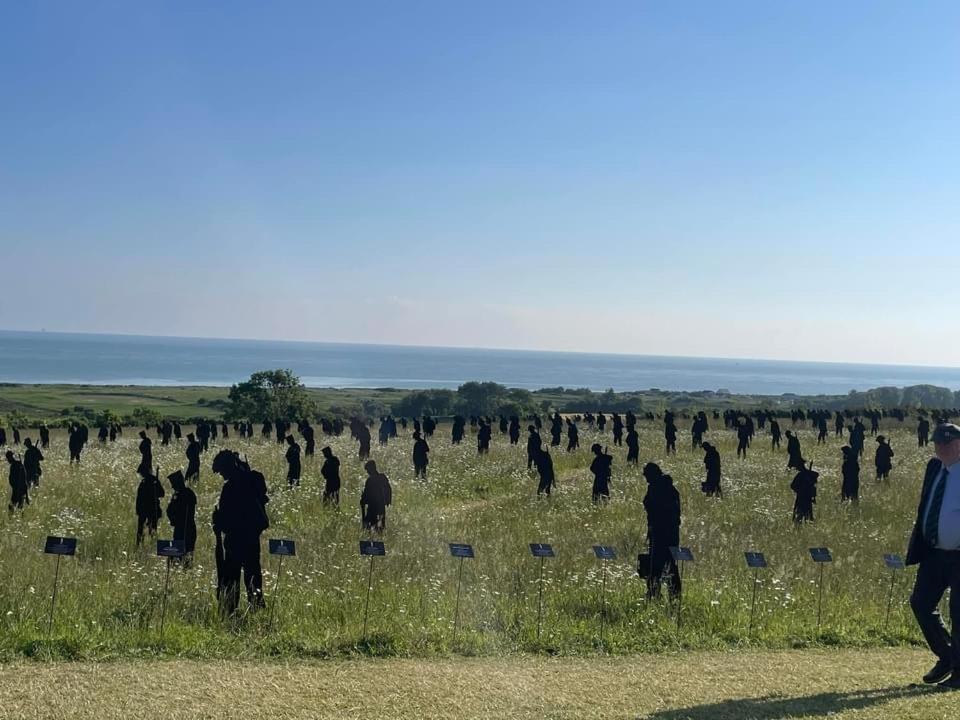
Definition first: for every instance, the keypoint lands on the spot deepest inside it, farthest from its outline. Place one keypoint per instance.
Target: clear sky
(736, 179)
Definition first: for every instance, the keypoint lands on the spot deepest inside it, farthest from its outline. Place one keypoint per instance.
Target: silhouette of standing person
(483, 438)
(670, 435)
(617, 429)
(182, 514)
(534, 441)
(662, 505)
(331, 476)
(556, 429)
(573, 436)
(240, 517)
(711, 463)
(743, 440)
(19, 490)
(602, 469)
(514, 430)
(935, 547)
(363, 435)
(375, 498)
(633, 446)
(420, 456)
(146, 454)
(850, 471)
(32, 457)
(883, 459)
(149, 492)
(794, 456)
(545, 471)
(293, 462)
(193, 458)
(804, 486)
(923, 432)
(774, 435)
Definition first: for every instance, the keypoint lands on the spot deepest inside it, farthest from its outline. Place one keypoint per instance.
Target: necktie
(931, 528)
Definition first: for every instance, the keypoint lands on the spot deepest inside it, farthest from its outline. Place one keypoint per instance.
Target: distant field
(749, 685)
(50, 401)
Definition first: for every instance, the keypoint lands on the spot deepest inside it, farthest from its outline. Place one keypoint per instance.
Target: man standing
(935, 546)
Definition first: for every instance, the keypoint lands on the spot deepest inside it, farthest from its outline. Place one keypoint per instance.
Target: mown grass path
(703, 685)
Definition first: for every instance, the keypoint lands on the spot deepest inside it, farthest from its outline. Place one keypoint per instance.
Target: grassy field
(48, 402)
(748, 685)
(110, 594)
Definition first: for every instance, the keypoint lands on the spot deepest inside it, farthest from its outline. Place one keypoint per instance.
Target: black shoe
(953, 683)
(938, 672)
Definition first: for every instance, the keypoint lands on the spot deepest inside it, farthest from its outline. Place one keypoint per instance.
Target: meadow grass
(110, 593)
(842, 684)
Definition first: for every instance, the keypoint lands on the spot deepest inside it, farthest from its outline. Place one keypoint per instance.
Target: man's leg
(927, 591)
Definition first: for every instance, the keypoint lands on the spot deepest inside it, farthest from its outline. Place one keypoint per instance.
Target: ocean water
(40, 357)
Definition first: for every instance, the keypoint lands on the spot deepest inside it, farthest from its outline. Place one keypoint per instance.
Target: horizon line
(43, 331)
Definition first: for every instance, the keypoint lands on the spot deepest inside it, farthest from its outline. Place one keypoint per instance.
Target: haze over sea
(40, 357)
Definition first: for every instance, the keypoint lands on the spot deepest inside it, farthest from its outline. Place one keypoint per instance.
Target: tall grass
(110, 593)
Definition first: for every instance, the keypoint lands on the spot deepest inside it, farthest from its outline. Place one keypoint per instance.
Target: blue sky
(738, 179)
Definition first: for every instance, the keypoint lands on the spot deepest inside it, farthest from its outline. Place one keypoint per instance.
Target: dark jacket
(918, 549)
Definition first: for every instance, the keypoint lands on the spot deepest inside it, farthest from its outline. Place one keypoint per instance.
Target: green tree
(145, 416)
(480, 398)
(270, 394)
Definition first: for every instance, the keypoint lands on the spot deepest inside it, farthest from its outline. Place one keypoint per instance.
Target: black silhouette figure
(633, 446)
(193, 458)
(556, 430)
(331, 476)
(545, 471)
(376, 497)
(44, 436)
(923, 432)
(774, 435)
(363, 436)
(804, 486)
(293, 462)
(743, 440)
(32, 457)
(573, 436)
(794, 455)
(149, 492)
(19, 490)
(309, 439)
(514, 430)
(711, 462)
(883, 458)
(483, 438)
(670, 434)
(182, 514)
(617, 429)
(75, 443)
(602, 469)
(146, 454)
(457, 431)
(662, 504)
(420, 456)
(850, 471)
(534, 441)
(239, 518)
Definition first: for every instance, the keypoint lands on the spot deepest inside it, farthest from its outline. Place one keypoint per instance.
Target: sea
(92, 359)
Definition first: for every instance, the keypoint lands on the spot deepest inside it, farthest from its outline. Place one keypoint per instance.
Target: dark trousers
(937, 572)
(662, 567)
(241, 553)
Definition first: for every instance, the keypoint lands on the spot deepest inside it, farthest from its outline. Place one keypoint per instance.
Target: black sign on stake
(821, 556)
(894, 563)
(168, 549)
(603, 552)
(462, 551)
(282, 548)
(681, 555)
(542, 551)
(372, 549)
(58, 546)
(755, 560)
